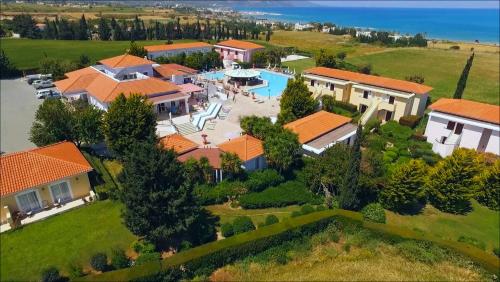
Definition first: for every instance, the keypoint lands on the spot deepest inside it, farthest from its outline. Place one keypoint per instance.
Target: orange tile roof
(212, 154)
(124, 61)
(468, 109)
(384, 82)
(39, 166)
(246, 147)
(313, 126)
(168, 47)
(178, 143)
(238, 44)
(76, 82)
(167, 70)
(106, 89)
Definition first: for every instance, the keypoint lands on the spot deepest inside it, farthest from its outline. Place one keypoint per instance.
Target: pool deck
(229, 127)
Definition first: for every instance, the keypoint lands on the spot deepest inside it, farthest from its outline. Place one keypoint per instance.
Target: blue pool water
(276, 84)
(214, 75)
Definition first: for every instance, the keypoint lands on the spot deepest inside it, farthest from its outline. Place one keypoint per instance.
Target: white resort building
(236, 50)
(375, 96)
(168, 50)
(455, 123)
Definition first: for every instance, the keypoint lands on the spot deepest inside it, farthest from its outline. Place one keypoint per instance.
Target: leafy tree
(348, 195)
(128, 121)
(296, 101)
(282, 149)
(259, 59)
(56, 66)
(88, 124)
(51, 274)
(53, 123)
(462, 81)
(158, 203)
(193, 173)
(207, 171)
(405, 189)
(195, 61)
(231, 165)
(83, 61)
(415, 78)
(488, 186)
(451, 181)
(7, 69)
(103, 29)
(83, 29)
(242, 224)
(137, 50)
(268, 35)
(25, 25)
(258, 127)
(341, 55)
(325, 60)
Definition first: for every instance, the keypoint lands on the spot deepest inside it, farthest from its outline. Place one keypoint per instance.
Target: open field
(228, 214)
(330, 262)
(73, 236)
(481, 224)
(26, 53)
(441, 70)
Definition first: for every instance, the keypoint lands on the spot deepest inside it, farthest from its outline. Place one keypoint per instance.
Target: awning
(189, 88)
(168, 97)
(242, 73)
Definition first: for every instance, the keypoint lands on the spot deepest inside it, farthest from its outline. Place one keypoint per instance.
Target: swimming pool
(214, 75)
(276, 83)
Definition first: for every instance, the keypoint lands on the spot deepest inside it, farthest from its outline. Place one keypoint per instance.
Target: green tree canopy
(157, 202)
(87, 124)
(451, 181)
(405, 189)
(53, 123)
(231, 165)
(348, 195)
(128, 121)
(282, 149)
(296, 101)
(137, 50)
(488, 186)
(7, 69)
(324, 59)
(258, 127)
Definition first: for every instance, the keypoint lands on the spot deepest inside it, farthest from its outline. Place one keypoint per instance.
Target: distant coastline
(464, 25)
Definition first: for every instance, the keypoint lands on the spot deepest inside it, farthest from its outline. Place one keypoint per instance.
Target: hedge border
(195, 256)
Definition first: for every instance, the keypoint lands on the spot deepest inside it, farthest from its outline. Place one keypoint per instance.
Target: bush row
(103, 182)
(410, 121)
(285, 194)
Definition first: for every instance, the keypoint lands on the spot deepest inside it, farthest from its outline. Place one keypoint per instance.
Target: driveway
(18, 105)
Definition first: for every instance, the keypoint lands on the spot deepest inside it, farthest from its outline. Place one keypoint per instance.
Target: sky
(410, 4)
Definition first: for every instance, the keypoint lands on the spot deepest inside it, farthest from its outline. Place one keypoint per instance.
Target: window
(459, 128)
(60, 192)
(365, 94)
(450, 125)
(443, 139)
(363, 108)
(391, 100)
(312, 82)
(332, 86)
(236, 53)
(28, 201)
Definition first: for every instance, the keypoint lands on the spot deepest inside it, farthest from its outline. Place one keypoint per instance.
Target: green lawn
(26, 53)
(228, 214)
(481, 223)
(441, 70)
(300, 65)
(73, 236)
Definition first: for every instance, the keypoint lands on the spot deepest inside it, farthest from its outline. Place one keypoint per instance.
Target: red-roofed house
(375, 96)
(127, 74)
(462, 123)
(236, 50)
(175, 73)
(249, 149)
(321, 130)
(34, 181)
(212, 155)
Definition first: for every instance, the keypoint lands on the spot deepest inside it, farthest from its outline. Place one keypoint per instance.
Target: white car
(38, 84)
(31, 78)
(48, 94)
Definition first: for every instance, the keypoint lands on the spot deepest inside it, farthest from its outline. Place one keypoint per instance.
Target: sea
(436, 23)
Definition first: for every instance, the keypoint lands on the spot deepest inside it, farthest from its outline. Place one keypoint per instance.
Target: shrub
(143, 246)
(75, 270)
(227, 230)
(99, 261)
(346, 247)
(51, 274)
(260, 180)
(415, 78)
(374, 212)
(285, 194)
(395, 132)
(242, 224)
(271, 219)
(472, 241)
(148, 257)
(421, 251)
(488, 187)
(410, 121)
(220, 193)
(185, 245)
(496, 251)
(372, 124)
(306, 209)
(295, 214)
(346, 106)
(455, 47)
(119, 259)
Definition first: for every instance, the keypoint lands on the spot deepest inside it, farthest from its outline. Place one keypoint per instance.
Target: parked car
(33, 77)
(53, 95)
(41, 94)
(38, 84)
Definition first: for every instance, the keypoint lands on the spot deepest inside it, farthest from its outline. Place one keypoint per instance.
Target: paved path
(18, 105)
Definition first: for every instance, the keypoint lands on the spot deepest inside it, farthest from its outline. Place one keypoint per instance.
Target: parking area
(18, 105)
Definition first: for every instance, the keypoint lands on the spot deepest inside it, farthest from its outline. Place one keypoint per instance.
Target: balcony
(384, 105)
(446, 148)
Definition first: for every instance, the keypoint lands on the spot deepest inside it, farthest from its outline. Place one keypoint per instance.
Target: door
(60, 192)
(362, 108)
(28, 201)
(388, 116)
(483, 142)
(459, 128)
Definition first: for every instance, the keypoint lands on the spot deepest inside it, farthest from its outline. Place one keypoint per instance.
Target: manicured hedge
(205, 258)
(103, 182)
(285, 194)
(410, 121)
(220, 193)
(260, 180)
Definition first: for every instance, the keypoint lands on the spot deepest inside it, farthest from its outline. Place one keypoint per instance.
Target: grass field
(441, 70)
(481, 224)
(26, 54)
(73, 236)
(228, 214)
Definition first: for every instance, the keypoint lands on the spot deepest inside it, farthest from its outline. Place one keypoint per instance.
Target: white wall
(148, 69)
(169, 53)
(98, 104)
(494, 144)
(470, 136)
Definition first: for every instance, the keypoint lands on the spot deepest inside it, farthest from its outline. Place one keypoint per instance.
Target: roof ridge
(61, 160)
(33, 149)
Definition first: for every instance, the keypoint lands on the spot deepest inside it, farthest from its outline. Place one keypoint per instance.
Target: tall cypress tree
(103, 29)
(83, 28)
(462, 81)
(348, 194)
